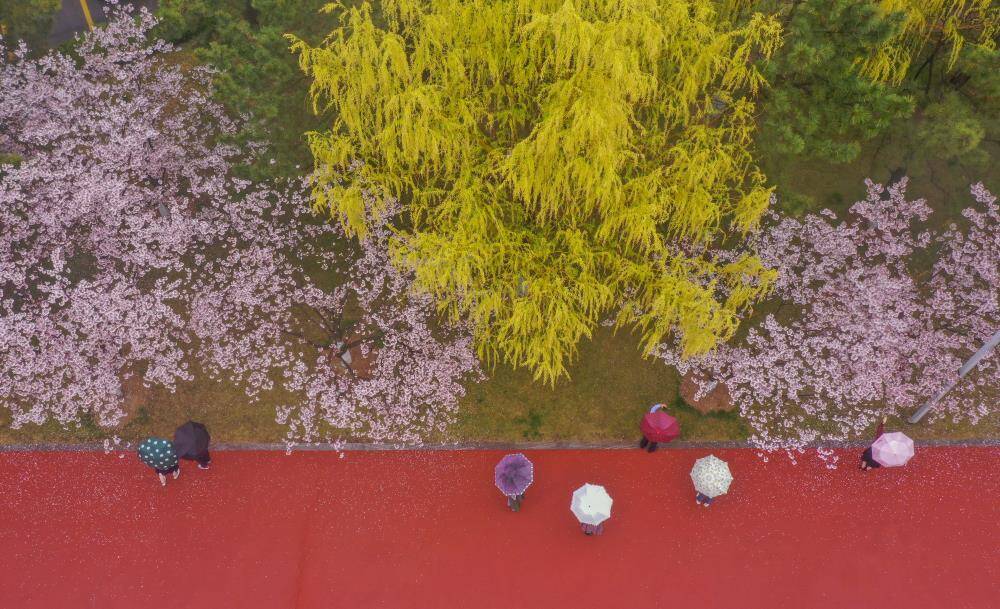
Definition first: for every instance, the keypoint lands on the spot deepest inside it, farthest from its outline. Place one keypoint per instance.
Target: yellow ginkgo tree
(558, 162)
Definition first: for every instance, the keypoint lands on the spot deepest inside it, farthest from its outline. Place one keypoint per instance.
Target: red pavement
(428, 530)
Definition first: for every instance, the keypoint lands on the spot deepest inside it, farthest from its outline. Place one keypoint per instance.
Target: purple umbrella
(514, 474)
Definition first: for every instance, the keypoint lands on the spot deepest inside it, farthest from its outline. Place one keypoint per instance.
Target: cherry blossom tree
(866, 325)
(364, 357)
(128, 248)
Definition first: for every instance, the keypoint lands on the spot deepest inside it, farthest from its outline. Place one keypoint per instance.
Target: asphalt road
(71, 18)
(428, 530)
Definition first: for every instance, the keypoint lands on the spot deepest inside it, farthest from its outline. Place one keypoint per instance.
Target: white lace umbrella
(892, 449)
(711, 476)
(591, 504)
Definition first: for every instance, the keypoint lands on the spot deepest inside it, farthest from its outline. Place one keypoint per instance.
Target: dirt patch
(716, 400)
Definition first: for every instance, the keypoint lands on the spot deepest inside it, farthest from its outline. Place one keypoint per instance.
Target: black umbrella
(190, 440)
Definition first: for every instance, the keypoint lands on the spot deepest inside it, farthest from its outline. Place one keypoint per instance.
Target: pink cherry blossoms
(128, 248)
(867, 324)
(363, 358)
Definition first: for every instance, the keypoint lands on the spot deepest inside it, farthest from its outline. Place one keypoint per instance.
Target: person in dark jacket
(867, 460)
(191, 442)
(203, 459)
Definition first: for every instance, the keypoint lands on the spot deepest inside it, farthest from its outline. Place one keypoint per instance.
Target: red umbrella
(659, 427)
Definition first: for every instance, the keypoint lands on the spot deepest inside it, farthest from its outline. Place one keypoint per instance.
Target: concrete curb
(471, 446)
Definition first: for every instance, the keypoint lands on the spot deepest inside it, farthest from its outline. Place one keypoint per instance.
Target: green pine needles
(818, 104)
(945, 23)
(559, 162)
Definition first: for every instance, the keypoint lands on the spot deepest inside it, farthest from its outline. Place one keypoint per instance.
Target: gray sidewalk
(468, 446)
(71, 19)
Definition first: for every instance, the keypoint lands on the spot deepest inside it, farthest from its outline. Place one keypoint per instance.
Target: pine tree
(560, 161)
(28, 21)
(960, 113)
(941, 24)
(255, 74)
(819, 104)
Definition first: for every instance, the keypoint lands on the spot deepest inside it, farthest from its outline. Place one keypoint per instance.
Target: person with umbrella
(591, 504)
(711, 477)
(513, 475)
(159, 454)
(867, 461)
(191, 442)
(892, 449)
(658, 426)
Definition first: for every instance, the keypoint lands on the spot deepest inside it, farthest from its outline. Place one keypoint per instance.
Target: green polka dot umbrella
(158, 453)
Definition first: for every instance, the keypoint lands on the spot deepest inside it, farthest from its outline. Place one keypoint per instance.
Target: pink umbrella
(892, 449)
(659, 427)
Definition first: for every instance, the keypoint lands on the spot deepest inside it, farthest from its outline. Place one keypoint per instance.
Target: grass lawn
(819, 184)
(610, 388)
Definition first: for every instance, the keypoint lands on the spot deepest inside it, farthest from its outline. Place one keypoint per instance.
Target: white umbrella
(711, 476)
(591, 504)
(892, 449)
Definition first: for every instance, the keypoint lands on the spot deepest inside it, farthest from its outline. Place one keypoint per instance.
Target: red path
(428, 530)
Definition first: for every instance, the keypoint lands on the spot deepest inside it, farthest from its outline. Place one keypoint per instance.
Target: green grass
(806, 185)
(610, 388)
(221, 406)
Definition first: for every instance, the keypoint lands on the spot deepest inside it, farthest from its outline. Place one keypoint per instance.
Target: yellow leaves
(682, 296)
(634, 228)
(747, 280)
(571, 163)
(416, 135)
(752, 205)
(350, 208)
(394, 66)
(888, 63)
(558, 160)
(700, 171)
(923, 20)
(330, 149)
(762, 37)
(403, 15)
(550, 294)
(765, 32)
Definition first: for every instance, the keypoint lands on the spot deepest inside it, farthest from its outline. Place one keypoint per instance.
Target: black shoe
(652, 447)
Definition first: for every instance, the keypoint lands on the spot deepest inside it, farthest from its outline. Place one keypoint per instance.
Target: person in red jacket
(867, 461)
